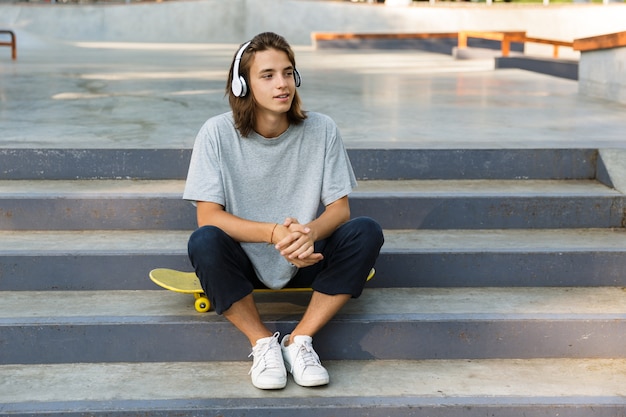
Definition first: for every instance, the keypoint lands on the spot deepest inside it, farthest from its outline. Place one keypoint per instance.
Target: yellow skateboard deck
(188, 283)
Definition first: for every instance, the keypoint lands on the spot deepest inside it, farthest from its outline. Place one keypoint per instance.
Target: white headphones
(238, 85)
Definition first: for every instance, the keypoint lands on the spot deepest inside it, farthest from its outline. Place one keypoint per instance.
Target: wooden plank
(612, 40)
(514, 36)
(329, 36)
(505, 37)
(549, 41)
(554, 43)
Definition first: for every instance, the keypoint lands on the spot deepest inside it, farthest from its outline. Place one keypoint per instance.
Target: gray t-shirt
(268, 180)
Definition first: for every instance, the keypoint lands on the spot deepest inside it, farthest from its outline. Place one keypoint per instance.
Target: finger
(289, 221)
(311, 260)
(302, 246)
(297, 227)
(306, 253)
(287, 241)
(295, 249)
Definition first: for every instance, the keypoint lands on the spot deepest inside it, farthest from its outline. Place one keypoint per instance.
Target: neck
(271, 127)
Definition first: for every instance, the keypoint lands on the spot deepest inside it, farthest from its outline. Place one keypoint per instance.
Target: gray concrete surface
(109, 260)
(139, 95)
(615, 161)
(218, 21)
(420, 323)
(451, 241)
(439, 382)
(423, 204)
(156, 96)
(602, 74)
(497, 304)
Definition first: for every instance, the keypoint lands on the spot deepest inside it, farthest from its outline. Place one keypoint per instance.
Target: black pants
(227, 274)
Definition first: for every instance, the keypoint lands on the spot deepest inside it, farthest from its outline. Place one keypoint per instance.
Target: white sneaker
(268, 369)
(303, 363)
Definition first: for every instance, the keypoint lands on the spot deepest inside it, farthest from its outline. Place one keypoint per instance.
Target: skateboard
(188, 283)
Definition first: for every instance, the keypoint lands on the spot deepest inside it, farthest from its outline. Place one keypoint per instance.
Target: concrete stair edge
(448, 204)
(427, 323)
(384, 388)
(108, 260)
(69, 164)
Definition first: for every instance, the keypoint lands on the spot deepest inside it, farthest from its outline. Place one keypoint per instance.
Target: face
(272, 82)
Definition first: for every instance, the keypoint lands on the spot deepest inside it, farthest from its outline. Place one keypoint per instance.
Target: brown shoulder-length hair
(244, 108)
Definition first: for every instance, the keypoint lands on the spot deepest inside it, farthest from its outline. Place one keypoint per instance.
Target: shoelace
(307, 355)
(274, 360)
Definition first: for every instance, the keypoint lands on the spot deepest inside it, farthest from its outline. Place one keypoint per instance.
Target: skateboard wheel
(202, 304)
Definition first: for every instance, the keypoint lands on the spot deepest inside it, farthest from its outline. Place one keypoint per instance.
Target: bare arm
(241, 230)
(294, 241)
(335, 214)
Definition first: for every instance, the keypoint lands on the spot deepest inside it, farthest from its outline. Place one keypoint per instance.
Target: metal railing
(12, 43)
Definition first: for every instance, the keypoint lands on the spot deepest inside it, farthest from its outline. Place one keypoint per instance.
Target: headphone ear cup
(297, 78)
(235, 87)
(244, 87)
(239, 87)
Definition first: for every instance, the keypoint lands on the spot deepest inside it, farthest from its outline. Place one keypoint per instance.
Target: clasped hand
(296, 243)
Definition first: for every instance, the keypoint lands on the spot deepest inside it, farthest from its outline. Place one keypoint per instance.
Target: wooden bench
(594, 43)
(555, 44)
(327, 36)
(11, 43)
(507, 37)
(334, 36)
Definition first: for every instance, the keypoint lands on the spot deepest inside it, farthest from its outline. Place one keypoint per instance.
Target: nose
(282, 81)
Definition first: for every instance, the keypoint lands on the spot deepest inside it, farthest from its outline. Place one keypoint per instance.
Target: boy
(257, 176)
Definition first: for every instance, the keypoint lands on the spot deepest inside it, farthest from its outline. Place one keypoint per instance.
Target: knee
(204, 238)
(369, 227)
(368, 231)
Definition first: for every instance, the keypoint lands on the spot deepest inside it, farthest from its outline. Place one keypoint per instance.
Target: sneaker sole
(270, 386)
(314, 383)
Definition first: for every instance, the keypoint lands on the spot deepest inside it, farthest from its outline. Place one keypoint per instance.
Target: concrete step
(121, 260)
(490, 204)
(423, 204)
(391, 388)
(426, 323)
(379, 164)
